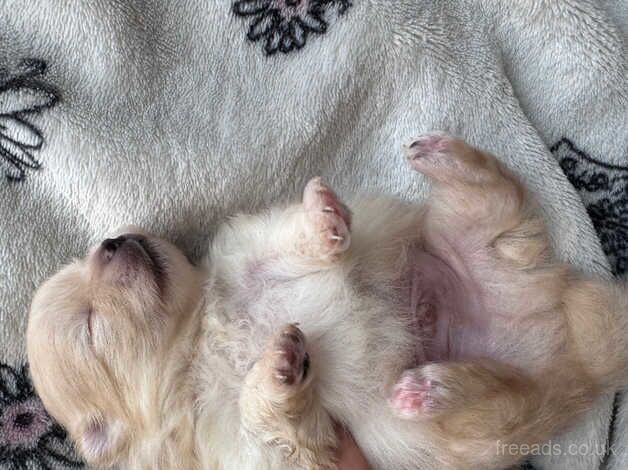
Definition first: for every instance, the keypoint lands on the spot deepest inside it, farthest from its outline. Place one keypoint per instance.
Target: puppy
(436, 333)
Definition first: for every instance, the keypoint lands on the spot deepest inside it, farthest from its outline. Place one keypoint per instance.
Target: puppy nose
(110, 245)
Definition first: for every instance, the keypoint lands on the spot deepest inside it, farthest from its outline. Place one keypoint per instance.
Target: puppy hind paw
(431, 153)
(428, 145)
(447, 159)
(416, 396)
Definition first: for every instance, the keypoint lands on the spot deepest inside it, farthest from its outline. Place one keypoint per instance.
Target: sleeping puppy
(435, 332)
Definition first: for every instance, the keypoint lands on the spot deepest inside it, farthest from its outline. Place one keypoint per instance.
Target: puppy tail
(598, 315)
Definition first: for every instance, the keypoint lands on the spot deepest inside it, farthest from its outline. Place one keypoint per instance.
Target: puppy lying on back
(432, 332)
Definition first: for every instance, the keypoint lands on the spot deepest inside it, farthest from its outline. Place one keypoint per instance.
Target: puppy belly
(444, 311)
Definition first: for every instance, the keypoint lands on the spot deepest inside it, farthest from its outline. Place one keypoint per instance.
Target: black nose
(110, 245)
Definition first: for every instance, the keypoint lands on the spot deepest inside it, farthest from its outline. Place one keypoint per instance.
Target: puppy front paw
(289, 359)
(328, 221)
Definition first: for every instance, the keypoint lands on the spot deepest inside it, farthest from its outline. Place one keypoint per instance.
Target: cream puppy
(436, 333)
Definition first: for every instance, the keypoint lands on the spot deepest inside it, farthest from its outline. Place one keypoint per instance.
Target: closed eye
(90, 315)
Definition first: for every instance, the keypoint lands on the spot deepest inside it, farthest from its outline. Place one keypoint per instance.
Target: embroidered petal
(284, 25)
(18, 155)
(343, 6)
(250, 7)
(604, 190)
(31, 67)
(9, 385)
(56, 450)
(263, 24)
(13, 172)
(5, 455)
(29, 437)
(286, 43)
(313, 22)
(24, 423)
(272, 42)
(299, 35)
(20, 132)
(17, 97)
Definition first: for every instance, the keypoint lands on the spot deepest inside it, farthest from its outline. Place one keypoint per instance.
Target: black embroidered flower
(604, 191)
(284, 25)
(29, 438)
(22, 94)
(527, 466)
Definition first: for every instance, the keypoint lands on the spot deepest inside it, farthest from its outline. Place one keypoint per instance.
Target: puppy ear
(100, 442)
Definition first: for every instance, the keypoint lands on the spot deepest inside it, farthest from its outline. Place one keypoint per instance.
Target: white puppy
(432, 332)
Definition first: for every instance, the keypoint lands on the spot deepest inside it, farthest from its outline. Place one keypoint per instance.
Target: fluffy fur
(435, 333)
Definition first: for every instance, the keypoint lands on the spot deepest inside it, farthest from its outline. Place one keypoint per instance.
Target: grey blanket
(173, 114)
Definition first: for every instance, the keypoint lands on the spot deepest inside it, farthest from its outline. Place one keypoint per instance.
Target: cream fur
(214, 377)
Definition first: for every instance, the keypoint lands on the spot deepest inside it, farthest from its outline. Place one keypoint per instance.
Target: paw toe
(318, 197)
(328, 220)
(414, 396)
(290, 360)
(428, 145)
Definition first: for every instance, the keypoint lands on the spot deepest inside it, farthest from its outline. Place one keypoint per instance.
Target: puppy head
(98, 334)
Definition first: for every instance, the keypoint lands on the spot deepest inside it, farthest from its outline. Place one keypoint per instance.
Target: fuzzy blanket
(172, 114)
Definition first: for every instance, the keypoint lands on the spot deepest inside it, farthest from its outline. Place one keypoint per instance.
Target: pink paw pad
(290, 359)
(330, 218)
(413, 396)
(428, 145)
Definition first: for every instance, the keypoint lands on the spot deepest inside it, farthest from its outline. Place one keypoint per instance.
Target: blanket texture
(173, 114)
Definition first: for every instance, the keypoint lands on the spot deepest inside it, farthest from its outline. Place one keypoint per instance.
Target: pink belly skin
(445, 311)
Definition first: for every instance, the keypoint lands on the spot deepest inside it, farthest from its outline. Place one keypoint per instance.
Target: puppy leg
(440, 389)
(597, 313)
(467, 183)
(465, 177)
(480, 401)
(475, 201)
(279, 403)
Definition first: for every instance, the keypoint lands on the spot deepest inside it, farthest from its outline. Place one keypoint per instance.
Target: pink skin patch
(292, 7)
(436, 299)
(413, 397)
